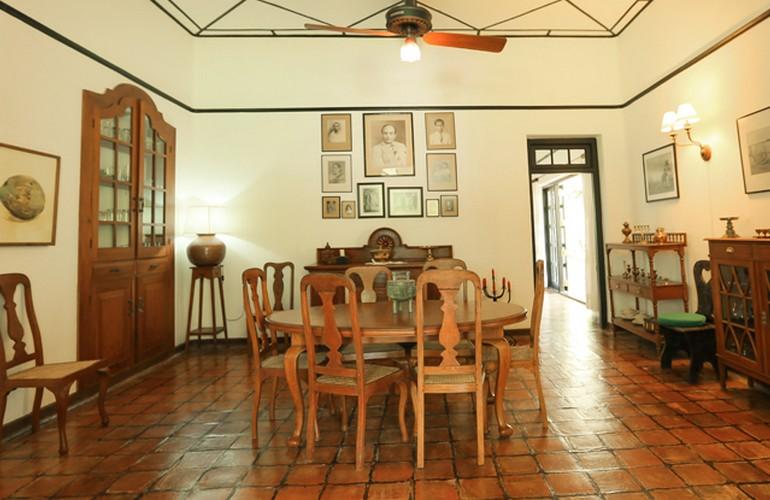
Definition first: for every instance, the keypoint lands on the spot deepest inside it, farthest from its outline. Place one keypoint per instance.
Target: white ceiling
(511, 18)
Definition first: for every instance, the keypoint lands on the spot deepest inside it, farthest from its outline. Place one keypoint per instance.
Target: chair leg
(312, 408)
(273, 392)
(3, 400)
(62, 395)
(36, 409)
(361, 432)
(104, 380)
(486, 390)
(420, 424)
(480, 405)
(540, 397)
(403, 389)
(257, 381)
(343, 413)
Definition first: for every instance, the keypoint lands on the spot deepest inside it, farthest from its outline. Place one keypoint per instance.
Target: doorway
(566, 218)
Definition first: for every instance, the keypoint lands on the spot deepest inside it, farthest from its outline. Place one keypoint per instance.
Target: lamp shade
(686, 114)
(669, 122)
(204, 219)
(410, 51)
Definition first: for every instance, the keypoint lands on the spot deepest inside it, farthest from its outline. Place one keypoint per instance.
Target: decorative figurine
(635, 273)
(627, 274)
(729, 229)
(626, 232)
(660, 235)
(763, 233)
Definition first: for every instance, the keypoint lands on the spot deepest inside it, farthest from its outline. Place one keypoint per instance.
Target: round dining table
(379, 324)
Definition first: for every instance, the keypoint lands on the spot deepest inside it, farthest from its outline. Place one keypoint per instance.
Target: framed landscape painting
(404, 202)
(661, 181)
(388, 144)
(29, 191)
(754, 142)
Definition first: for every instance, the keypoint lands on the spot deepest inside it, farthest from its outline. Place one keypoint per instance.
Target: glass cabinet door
(114, 216)
(153, 190)
(740, 334)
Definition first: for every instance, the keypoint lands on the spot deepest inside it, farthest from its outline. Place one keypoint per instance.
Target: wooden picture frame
(29, 196)
(371, 200)
(348, 209)
(661, 179)
(432, 207)
(405, 201)
(330, 207)
(336, 134)
(754, 145)
(388, 144)
(441, 171)
(440, 131)
(336, 174)
(449, 205)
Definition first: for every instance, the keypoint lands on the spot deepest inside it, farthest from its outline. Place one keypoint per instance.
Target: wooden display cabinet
(653, 291)
(741, 289)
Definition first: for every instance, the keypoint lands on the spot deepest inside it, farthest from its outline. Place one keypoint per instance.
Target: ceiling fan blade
(341, 29)
(473, 42)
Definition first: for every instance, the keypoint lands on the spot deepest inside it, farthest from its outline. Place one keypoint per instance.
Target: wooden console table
(402, 258)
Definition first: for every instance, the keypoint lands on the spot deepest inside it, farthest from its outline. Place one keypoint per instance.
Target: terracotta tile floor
(620, 428)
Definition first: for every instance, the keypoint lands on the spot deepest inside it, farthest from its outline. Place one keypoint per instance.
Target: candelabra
(494, 295)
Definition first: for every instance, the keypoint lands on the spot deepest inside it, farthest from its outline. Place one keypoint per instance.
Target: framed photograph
(336, 174)
(330, 207)
(441, 171)
(349, 209)
(404, 202)
(661, 181)
(754, 143)
(388, 144)
(440, 131)
(431, 207)
(335, 133)
(449, 207)
(371, 200)
(29, 193)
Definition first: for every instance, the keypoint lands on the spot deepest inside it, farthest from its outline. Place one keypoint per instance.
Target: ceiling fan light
(410, 51)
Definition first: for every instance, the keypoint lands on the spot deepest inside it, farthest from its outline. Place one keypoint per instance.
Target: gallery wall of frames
(388, 153)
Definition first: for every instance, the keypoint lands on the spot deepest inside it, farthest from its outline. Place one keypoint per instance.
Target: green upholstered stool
(681, 319)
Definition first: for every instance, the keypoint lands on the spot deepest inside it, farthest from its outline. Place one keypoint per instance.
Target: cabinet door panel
(155, 306)
(739, 336)
(764, 304)
(112, 321)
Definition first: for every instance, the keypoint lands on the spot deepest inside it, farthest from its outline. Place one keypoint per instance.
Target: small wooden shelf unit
(654, 291)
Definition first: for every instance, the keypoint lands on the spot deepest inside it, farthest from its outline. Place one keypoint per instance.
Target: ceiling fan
(411, 21)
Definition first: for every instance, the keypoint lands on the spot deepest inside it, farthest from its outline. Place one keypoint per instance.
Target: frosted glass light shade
(410, 51)
(204, 220)
(669, 122)
(686, 114)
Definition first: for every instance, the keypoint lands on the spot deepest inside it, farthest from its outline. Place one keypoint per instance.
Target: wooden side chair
(433, 348)
(281, 272)
(268, 363)
(450, 376)
(367, 275)
(333, 376)
(56, 377)
(527, 356)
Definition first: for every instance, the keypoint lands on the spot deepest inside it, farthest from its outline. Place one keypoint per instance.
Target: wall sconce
(684, 117)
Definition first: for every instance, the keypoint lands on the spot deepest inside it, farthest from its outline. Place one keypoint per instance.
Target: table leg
(292, 380)
(503, 366)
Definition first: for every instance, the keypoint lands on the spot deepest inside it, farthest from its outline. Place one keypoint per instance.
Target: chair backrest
(13, 326)
(448, 263)
(256, 305)
(536, 315)
(703, 289)
(367, 275)
(448, 282)
(326, 286)
(278, 283)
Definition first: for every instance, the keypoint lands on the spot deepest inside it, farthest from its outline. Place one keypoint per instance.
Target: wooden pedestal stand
(199, 274)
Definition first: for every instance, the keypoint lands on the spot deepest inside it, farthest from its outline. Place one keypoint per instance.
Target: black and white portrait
(440, 131)
(335, 133)
(371, 199)
(660, 175)
(336, 174)
(388, 144)
(441, 171)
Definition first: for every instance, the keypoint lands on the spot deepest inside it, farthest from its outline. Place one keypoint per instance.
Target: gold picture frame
(335, 133)
(440, 131)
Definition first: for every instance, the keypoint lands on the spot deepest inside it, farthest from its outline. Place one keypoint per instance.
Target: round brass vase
(206, 250)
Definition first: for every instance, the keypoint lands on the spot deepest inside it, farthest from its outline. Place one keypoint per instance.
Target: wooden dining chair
(432, 348)
(332, 375)
(526, 356)
(451, 375)
(268, 364)
(56, 377)
(281, 273)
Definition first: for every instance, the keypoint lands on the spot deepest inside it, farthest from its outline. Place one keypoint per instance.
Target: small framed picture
(440, 131)
(371, 200)
(330, 207)
(441, 171)
(449, 206)
(754, 143)
(388, 144)
(431, 207)
(349, 209)
(661, 181)
(336, 174)
(335, 133)
(404, 202)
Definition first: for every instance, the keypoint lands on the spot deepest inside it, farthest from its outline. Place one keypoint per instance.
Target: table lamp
(206, 249)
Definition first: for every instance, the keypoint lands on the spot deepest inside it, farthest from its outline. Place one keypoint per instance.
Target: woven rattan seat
(277, 361)
(460, 378)
(372, 373)
(373, 348)
(518, 353)
(55, 371)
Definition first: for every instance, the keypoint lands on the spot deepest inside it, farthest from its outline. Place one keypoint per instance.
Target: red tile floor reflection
(620, 428)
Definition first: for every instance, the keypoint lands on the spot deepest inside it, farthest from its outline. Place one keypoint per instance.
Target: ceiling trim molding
(315, 109)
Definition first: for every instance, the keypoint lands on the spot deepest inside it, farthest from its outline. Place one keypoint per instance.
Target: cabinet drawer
(730, 250)
(117, 270)
(152, 266)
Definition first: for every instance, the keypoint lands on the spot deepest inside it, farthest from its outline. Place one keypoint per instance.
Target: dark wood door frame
(591, 167)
